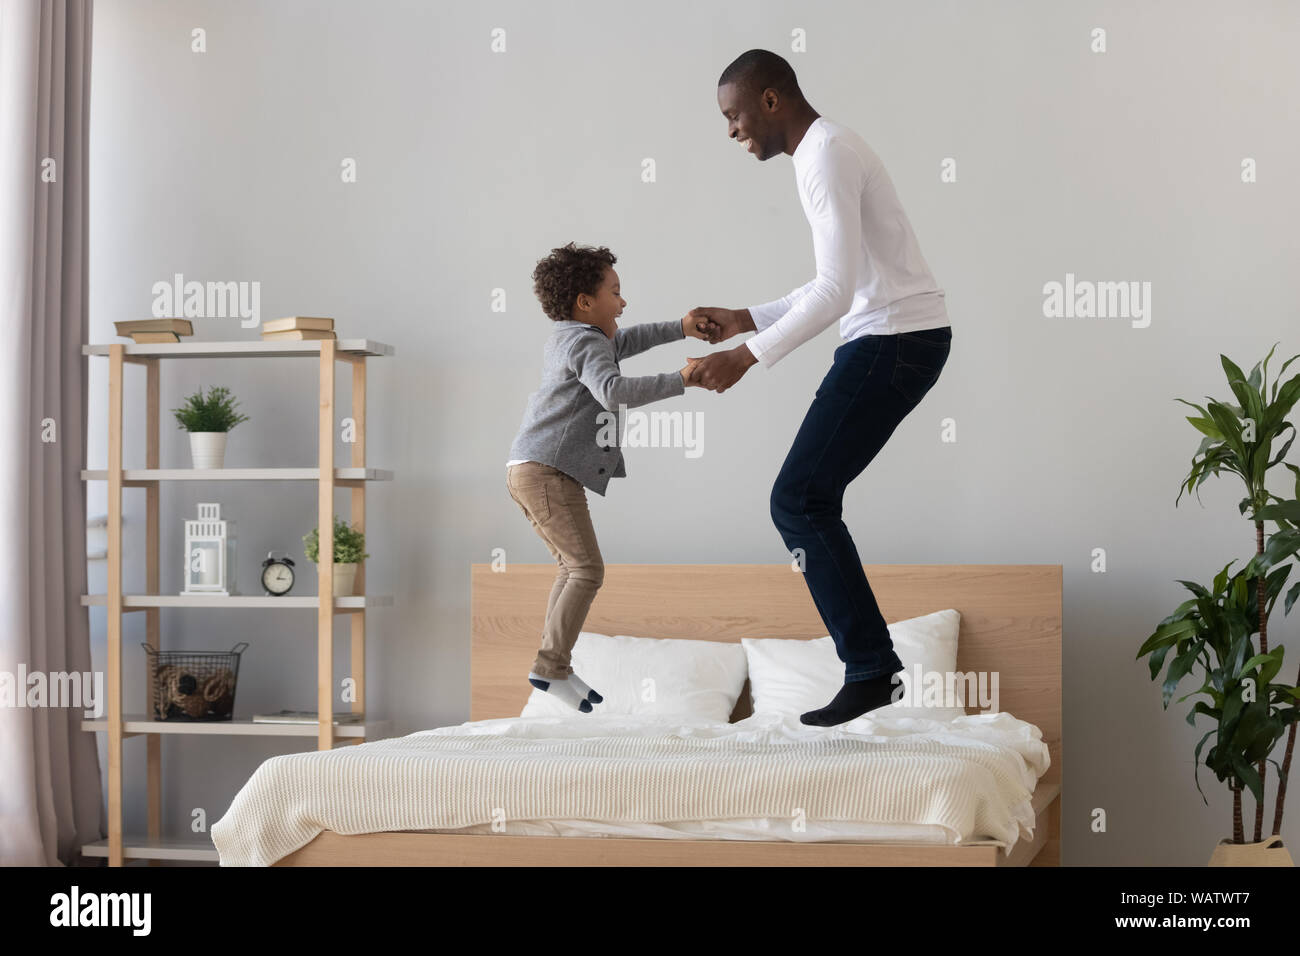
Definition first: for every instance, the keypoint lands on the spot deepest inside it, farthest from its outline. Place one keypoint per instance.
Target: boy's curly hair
(567, 271)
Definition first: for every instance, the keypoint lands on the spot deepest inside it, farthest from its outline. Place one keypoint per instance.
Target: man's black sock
(854, 699)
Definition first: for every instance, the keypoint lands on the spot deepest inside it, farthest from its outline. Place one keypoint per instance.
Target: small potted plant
(208, 420)
(349, 551)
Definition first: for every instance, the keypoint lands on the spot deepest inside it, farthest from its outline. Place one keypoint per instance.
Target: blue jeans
(873, 383)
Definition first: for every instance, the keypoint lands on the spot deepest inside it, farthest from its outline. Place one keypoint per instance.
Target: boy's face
(608, 304)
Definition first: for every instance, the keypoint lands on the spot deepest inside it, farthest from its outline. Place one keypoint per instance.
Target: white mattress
(900, 779)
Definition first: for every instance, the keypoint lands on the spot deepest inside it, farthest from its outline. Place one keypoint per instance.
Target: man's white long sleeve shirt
(871, 275)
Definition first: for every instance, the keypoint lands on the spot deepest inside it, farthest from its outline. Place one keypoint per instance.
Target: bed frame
(1010, 623)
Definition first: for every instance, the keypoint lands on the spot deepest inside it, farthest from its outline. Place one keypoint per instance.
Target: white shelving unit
(120, 726)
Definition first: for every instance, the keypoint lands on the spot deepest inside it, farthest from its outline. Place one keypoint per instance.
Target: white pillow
(646, 675)
(790, 676)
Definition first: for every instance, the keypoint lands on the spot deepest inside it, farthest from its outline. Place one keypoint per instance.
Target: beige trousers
(556, 505)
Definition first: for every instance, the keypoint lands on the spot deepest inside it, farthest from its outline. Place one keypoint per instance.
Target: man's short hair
(757, 70)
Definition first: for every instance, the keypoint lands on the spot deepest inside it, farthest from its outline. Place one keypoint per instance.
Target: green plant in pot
(349, 551)
(1212, 633)
(208, 420)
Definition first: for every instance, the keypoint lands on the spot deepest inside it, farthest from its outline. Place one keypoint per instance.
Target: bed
(1010, 624)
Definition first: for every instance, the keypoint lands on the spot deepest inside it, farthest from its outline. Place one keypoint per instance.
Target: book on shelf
(177, 326)
(299, 335)
(306, 717)
(147, 337)
(294, 322)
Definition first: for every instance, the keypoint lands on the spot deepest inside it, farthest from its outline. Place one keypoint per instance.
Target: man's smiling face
(747, 121)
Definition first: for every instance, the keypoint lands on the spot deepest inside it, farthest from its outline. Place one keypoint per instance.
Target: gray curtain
(50, 792)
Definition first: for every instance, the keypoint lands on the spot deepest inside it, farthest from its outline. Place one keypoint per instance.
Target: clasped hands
(721, 370)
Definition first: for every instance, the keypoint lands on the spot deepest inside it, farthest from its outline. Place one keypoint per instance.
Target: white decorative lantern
(209, 552)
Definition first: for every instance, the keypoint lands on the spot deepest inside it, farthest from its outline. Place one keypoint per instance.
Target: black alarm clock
(277, 575)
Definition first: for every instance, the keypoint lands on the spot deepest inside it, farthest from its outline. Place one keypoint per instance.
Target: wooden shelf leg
(358, 515)
(153, 615)
(113, 662)
(325, 557)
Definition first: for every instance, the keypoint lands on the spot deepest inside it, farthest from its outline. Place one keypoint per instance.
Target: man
(872, 277)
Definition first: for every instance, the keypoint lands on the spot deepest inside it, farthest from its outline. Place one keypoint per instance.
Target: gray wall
(1120, 166)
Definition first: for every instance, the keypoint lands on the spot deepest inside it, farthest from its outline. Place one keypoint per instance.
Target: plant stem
(1283, 774)
(1282, 778)
(1263, 649)
(1238, 834)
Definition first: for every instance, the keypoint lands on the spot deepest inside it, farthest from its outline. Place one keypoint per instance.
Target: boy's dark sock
(583, 689)
(563, 689)
(854, 699)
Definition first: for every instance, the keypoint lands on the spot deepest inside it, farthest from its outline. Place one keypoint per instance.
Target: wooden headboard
(1010, 622)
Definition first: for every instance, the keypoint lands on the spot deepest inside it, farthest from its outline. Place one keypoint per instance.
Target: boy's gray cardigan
(581, 386)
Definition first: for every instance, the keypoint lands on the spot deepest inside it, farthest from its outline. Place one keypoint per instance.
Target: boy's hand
(715, 325)
(687, 373)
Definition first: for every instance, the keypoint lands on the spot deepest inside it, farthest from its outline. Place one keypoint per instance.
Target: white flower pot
(1270, 852)
(345, 579)
(208, 449)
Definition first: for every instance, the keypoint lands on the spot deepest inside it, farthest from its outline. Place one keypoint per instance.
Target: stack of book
(155, 330)
(299, 328)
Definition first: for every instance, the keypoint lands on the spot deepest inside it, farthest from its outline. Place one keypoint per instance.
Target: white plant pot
(345, 579)
(1270, 852)
(208, 449)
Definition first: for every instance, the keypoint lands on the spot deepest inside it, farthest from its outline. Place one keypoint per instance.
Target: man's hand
(721, 370)
(700, 328)
(715, 325)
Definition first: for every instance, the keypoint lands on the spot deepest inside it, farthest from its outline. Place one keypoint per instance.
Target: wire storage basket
(194, 685)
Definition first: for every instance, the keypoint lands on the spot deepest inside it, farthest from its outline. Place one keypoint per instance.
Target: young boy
(562, 448)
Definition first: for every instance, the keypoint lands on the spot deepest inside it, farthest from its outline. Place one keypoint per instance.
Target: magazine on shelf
(305, 717)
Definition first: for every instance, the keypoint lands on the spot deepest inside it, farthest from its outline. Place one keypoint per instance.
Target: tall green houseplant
(1214, 629)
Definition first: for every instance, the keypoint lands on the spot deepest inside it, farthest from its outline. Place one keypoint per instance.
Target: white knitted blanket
(973, 776)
